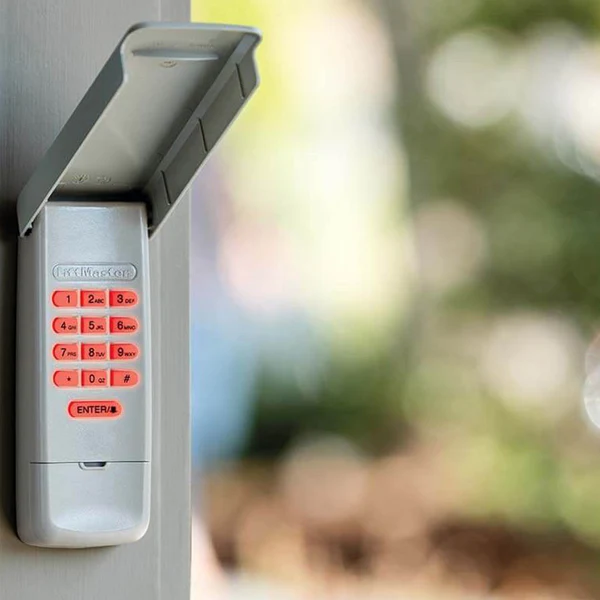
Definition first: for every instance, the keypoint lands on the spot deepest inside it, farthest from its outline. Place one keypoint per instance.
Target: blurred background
(396, 288)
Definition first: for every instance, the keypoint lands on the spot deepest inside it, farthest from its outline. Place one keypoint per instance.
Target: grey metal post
(50, 52)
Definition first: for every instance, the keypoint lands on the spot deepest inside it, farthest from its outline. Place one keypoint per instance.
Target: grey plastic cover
(150, 119)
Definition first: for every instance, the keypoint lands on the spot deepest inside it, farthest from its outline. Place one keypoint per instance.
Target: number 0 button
(123, 325)
(94, 378)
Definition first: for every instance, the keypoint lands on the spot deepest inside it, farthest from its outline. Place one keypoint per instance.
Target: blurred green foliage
(541, 221)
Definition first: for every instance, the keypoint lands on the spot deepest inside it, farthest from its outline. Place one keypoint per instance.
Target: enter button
(95, 409)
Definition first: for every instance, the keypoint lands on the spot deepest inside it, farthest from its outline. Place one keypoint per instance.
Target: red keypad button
(65, 325)
(124, 351)
(123, 298)
(93, 351)
(65, 298)
(95, 378)
(123, 378)
(95, 409)
(123, 325)
(66, 351)
(66, 378)
(93, 325)
(93, 298)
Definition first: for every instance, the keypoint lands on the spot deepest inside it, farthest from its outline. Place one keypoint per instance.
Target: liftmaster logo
(99, 272)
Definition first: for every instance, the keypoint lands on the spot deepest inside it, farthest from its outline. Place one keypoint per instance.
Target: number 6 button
(123, 325)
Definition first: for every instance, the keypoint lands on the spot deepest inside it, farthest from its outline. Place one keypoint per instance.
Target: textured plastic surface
(81, 482)
(150, 119)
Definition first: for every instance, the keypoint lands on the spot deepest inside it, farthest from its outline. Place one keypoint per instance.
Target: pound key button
(123, 378)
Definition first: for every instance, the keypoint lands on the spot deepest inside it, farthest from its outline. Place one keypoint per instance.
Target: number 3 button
(123, 298)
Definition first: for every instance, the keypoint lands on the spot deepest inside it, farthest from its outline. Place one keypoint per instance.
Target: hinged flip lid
(150, 119)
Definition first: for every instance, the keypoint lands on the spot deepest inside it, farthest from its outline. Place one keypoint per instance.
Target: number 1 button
(65, 298)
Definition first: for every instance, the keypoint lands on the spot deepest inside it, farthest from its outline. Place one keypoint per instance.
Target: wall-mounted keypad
(89, 340)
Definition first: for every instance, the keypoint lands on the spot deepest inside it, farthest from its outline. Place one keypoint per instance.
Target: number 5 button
(93, 325)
